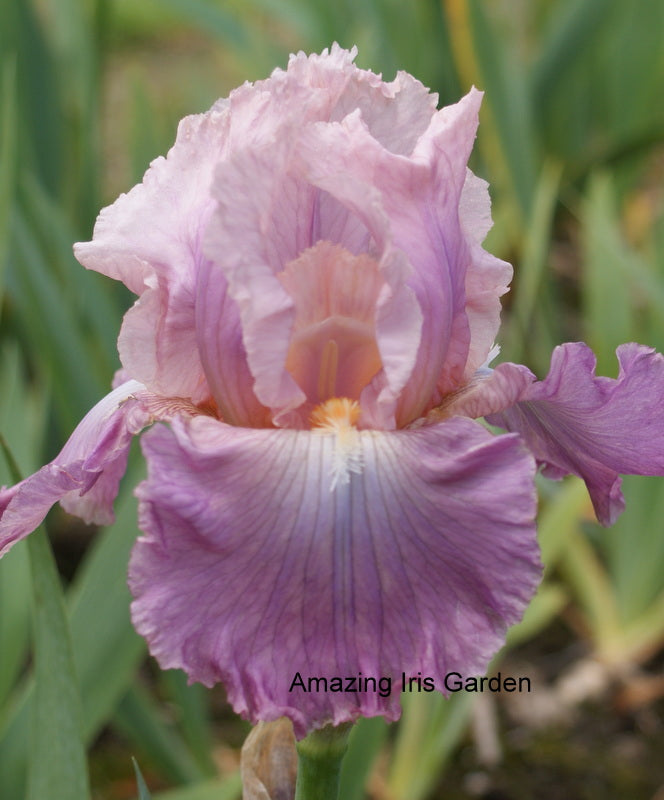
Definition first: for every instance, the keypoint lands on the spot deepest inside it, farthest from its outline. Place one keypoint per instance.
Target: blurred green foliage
(572, 142)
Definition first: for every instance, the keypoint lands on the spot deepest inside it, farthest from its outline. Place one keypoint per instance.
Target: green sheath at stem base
(319, 763)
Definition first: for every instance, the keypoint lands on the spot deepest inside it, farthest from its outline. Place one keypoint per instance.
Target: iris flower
(311, 338)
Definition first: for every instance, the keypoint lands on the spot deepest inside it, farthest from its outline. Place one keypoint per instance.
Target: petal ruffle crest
(487, 278)
(252, 568)
(414, 205)
(150, 239)
(86, 473)
(595, 427)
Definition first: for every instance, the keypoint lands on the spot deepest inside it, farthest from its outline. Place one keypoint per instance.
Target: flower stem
(319, 763)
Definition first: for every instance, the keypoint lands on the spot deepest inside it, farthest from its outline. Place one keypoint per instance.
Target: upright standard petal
(263, 560)
(487, 277)
(150, 239)
(595, 427)
(85, 475)
(415, 201)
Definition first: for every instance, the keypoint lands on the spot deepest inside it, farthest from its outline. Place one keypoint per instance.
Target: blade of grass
(52, 332)
(8, 147)
(229, 788)
(193, 717)
(211, 19)
(139, 719)
(634, 548)
(143, 793)
(57, 767)
(592, 588)
(41, 128)
(23, 417)
(531, 274)
(572, 25)
(549, 601)
(364, 744)
(89, 299)
(510, 104)
(604, 280)
(430, 728)
(108, 650)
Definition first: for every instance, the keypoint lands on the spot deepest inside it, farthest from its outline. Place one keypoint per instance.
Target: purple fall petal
(86, 473)
(253, 568)
(595, 427)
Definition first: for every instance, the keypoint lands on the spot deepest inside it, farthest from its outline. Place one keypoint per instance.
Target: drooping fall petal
(261, 558)
(86, 473)
(595, 427)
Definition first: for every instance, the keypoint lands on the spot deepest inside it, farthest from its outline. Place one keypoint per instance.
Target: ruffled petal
(85, 475)
(397, 112)
(489, 392)
(595, 427)
(487, 277)
(410, 205)
(150, 239)
(262, 558)
(254, 233)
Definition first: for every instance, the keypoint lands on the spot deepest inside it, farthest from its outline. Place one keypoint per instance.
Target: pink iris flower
(314, 322)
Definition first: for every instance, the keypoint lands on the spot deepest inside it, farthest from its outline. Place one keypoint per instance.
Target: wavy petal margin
(257, 564)
(595, 427)
(85, 475)
(150, 239)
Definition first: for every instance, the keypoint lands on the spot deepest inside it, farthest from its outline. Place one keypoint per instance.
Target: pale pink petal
(261, 558)
(150, 239)
(333, 351)
(397, 112)
(253, 235)
(85, 475)
(595, 427)
(487, 277)
(222, 352)
(489, 391)
(411, 204)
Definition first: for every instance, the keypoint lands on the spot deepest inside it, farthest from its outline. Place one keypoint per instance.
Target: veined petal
(260, 559)
(488, 392)
(150, 239)
(85, 475)
(595, 427)
(411, 205)
(487, 277)
(396, 112)
(252, 236)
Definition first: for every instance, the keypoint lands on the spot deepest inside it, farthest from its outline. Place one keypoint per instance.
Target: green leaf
(143, 793)
(430, 729)
(544, 607)
(8, 147)
(364, 744)
(22, 420)
(507, 95)
(573, 25)
(140, 718)
(608, 307)
(228, 788)
(108, 650)
(58, 768)
(532, 280)
(210, 18)
(191, 703)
